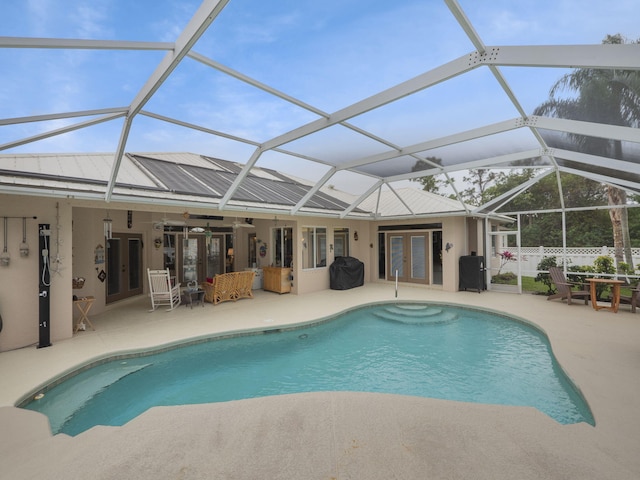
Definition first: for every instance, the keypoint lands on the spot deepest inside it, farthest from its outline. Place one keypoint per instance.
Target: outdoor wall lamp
(355, 235)
(448, 246)
(157, 242)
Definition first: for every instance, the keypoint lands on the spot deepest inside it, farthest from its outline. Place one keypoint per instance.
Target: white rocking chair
(161, 290)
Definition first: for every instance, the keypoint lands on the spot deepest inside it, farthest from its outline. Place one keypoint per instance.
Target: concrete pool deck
(334, 435)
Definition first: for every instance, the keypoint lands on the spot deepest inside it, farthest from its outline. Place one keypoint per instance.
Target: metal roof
(372, 136)
(181, 176)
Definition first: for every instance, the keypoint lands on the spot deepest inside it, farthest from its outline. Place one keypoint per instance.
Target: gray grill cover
(346, 273)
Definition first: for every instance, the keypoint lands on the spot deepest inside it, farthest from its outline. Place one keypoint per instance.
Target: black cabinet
(472, 273)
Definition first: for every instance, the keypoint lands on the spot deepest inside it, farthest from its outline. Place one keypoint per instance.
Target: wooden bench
(229, 286)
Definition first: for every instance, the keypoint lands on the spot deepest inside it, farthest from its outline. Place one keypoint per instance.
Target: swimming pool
(425, 350)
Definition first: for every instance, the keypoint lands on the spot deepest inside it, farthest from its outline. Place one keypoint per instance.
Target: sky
(328, 54)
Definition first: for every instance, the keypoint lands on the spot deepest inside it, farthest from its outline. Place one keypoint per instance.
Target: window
(314, 247)
(341, 242)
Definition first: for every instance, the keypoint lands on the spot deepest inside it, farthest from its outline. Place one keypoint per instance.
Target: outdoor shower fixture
(44, 306)
(4, 256)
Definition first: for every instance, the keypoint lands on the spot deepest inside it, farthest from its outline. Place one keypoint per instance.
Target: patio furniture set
(164, 290)
(567, 291)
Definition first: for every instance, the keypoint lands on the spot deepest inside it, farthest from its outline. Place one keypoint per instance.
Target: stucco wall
(77, 230)
(19, 292)
(88, 235)
(454, 232)
(312, 280)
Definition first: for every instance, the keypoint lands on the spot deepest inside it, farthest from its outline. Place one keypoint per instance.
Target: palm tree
(609, 97)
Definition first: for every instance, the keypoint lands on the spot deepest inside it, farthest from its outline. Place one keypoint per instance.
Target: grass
(529, 284)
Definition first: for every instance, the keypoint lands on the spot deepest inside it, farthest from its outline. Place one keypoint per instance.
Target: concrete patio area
(333, 435)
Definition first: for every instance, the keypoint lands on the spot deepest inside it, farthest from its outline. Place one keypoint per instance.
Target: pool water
(411, 349)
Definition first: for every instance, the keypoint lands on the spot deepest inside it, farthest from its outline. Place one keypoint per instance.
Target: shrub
(604, 264)
(545, 278)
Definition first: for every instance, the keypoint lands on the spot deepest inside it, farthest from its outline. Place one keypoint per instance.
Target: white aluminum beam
(623, 57)
(204, 16)
(393, 190)
(240, 178)
(228, 136)
(361, 198)
(491, 162)
(622, 166)
(591, 129)
(615, 181)
(416, 84)
(80, 44)
(511, 194)
(312, 191)
(58, 116)
(460, 137)
(60, 131)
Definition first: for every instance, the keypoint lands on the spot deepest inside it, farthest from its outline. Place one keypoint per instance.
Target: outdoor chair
(633, 299)
(163, 290)
(565, 288)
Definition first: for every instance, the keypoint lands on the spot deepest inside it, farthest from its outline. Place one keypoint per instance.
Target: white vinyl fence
(530, 257)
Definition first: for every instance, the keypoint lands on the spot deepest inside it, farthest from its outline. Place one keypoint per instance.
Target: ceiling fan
(238, 224)
(167, 222)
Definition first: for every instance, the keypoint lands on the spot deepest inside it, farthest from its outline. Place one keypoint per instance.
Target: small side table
(189, 297)
(83, 304)
(615, 293)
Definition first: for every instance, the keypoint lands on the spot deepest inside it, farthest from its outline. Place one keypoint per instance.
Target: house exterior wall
(313, 280)
(77, 231)
(19, 282)
(455, 231)
(88, 235)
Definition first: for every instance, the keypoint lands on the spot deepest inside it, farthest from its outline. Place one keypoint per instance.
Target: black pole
(44, 284)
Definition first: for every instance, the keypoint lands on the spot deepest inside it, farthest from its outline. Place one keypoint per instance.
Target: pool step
(416, 315)
(413, 310)
(84, 391)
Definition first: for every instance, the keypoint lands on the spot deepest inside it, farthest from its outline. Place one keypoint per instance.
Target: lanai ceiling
(288, 86)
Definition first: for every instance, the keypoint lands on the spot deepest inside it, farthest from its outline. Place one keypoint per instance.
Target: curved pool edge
(272, 328)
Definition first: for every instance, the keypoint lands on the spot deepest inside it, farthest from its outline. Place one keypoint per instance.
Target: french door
(124, 266)
(408, 257)
(195, 258)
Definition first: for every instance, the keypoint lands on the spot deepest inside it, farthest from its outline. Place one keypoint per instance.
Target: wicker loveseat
(229, 286)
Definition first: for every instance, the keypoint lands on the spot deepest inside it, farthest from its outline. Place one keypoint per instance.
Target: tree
(609, 97)
(583, 227)
(430, 183)
(480, 180)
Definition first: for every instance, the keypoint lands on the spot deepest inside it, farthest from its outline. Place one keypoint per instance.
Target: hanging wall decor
(98, 254)
(4, 256)
(24, 247)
